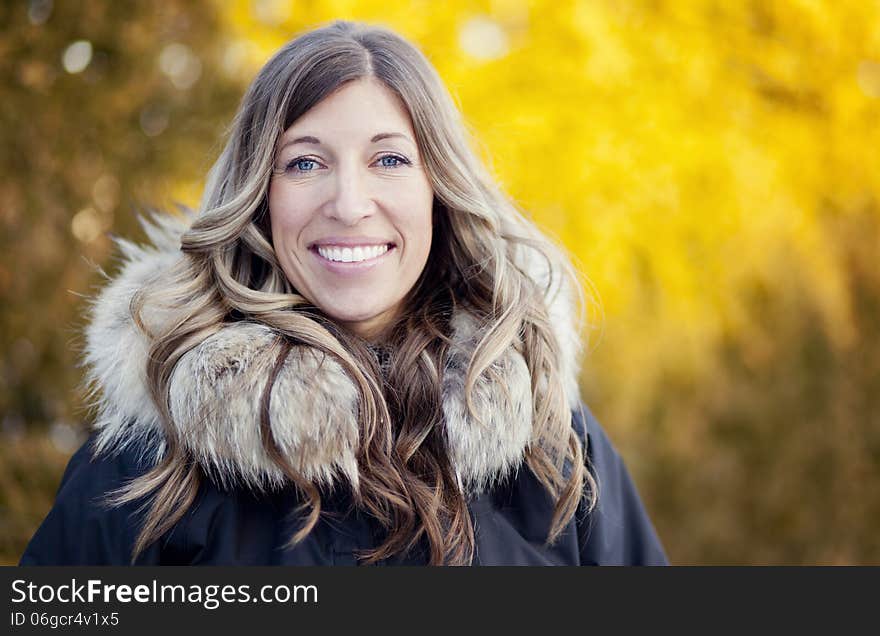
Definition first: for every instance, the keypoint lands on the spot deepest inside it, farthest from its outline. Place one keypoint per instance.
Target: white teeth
(349, 255)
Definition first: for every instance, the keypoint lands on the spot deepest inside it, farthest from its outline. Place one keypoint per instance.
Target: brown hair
(230, 272)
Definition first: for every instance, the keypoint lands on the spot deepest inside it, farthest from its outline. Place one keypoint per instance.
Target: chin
(364, 323)
(353, 316)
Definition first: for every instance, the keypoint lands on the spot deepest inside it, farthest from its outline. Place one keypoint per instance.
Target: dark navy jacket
(240, 527)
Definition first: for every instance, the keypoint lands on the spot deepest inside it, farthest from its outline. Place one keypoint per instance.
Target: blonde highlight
(227, 272)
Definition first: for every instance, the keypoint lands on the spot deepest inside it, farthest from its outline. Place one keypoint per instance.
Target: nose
(351, 200)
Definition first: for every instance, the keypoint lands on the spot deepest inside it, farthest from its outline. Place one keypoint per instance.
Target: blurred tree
(708, 164)
(773, 456)
(106, 106)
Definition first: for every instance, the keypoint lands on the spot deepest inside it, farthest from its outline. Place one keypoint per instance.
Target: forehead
(355, 112)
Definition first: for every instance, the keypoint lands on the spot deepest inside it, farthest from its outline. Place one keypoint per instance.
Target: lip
(351, 269)
(349, 241)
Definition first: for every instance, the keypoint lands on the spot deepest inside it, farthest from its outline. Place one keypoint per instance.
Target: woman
(358, 351)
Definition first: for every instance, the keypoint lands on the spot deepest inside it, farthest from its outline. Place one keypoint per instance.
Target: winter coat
(243, 512)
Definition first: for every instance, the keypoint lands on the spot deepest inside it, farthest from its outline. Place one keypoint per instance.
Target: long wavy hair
(229, 272)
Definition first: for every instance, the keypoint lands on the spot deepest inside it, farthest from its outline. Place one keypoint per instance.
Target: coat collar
(216, 388)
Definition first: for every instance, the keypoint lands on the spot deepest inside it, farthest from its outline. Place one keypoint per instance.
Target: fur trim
(216, 389)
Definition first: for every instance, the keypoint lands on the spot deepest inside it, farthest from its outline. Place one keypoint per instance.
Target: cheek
(287, 213)
(419, 235)
(414, 210)
(426, 222)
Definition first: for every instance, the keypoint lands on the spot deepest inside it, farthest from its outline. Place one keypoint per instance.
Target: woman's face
(350, 205)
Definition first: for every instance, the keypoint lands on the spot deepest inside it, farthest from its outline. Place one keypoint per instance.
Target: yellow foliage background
(712, 166)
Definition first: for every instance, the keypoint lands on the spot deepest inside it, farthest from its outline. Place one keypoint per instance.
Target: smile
(355, 254)
(352, 261)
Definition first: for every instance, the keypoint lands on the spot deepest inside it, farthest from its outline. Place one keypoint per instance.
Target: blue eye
(392, 161)
(302, 165)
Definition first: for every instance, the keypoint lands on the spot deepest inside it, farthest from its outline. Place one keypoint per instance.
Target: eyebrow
(308, 139)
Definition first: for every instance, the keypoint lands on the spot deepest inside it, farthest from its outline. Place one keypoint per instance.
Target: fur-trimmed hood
(216, 389)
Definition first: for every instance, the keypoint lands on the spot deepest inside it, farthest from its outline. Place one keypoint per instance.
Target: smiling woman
(358, 350)
(351, 211)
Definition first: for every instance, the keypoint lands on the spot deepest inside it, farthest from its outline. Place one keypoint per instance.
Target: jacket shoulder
(81, 528)
(618, 530)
